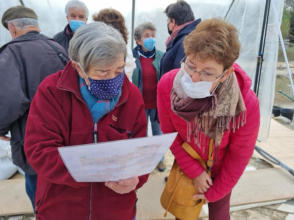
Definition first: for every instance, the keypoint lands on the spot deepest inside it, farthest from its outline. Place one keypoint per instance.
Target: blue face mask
(149, 43)
(106, 89)
(75, 24)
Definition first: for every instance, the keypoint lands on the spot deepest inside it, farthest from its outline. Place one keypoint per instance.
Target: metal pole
(133, 22)
(287, 62)
(261, 47)
(230, 7)
(21, 2)
(274, 160)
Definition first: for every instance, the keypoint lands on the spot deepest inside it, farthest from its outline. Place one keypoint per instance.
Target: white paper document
(114, 160)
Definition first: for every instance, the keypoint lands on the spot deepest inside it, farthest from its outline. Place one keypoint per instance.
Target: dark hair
(180, 11)
(114, 18)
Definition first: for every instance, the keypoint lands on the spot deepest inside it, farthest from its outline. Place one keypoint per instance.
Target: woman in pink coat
(209, 97)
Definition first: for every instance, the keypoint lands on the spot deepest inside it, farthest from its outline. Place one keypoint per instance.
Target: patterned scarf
(175, 32)
(146, 54)
(224, 111)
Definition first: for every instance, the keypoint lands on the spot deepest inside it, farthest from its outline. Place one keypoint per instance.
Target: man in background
(77, 15)
(24, 62)
(180, 22)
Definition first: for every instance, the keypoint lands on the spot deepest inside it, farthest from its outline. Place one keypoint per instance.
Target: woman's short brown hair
(214, 39)
(114, 18)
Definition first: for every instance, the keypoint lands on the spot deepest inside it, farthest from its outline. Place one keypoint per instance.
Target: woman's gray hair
(21, 23)
(141, 28)
(96, 44)
(76, 4)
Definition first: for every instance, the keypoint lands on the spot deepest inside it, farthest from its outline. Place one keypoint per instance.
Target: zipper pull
(95, 133)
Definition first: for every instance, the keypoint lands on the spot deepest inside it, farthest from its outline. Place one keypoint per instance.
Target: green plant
(285, 25)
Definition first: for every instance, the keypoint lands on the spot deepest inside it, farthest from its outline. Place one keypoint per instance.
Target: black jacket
(24, 63)
(175, 50)
(64, 37)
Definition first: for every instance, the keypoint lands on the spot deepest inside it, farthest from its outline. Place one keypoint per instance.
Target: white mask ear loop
(221, 75)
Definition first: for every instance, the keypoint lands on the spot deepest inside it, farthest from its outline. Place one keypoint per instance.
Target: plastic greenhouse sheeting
(246, 15)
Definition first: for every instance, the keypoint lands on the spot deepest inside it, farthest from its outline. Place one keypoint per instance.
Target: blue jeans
(31, 184)
(152, 115)
(155, 126)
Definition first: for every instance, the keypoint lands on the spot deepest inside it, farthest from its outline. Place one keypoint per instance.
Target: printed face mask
(75, 24)
(149, 43)
(106, 89)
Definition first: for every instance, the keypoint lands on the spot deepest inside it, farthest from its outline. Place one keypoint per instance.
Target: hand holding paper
(115, 160)
(123, 186)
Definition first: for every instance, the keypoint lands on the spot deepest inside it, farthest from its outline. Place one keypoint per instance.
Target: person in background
(77, 15)
(209, 100)
(114, 18)
(180, 22)
(147, 74)
(90, 101)
(24, 62)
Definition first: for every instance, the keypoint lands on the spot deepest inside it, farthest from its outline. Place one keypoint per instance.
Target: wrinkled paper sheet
(114, 160)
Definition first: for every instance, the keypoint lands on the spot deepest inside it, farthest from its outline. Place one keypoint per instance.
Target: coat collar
(137, 56)
(69, 81)
(67, 31)
(183, 32)
(31, 35)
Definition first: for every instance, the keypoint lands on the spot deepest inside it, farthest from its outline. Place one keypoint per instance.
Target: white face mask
(195, 90)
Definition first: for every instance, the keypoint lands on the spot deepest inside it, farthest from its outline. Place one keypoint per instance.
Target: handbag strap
(187, 147)
(63, 58)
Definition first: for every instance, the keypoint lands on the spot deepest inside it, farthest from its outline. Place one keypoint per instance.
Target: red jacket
(235, 149)
(60, 117)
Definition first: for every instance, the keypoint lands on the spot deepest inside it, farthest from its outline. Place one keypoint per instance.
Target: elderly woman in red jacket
(209, 98)
(91, 100)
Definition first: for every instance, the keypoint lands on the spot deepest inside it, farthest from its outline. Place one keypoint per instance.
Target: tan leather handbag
(177, 196)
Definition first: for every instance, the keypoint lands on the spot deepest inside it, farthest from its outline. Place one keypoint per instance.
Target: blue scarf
(97, 107)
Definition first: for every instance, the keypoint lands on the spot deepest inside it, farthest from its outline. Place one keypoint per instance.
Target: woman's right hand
(202, 182)
(123, 186)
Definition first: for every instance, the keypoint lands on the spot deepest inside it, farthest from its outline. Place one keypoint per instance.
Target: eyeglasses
(203, 75)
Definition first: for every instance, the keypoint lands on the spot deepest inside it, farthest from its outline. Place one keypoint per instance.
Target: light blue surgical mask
(75, 24)
(149, 43)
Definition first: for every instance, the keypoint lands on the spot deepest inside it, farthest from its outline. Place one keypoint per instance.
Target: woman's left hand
(123, 186)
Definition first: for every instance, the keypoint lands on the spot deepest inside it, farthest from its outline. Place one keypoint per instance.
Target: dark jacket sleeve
(179, 55)
(13, 100)
(172, 57)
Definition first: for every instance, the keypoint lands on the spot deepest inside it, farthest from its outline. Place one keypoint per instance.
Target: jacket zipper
(95, 140)
(90, 215)
(95, 133)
